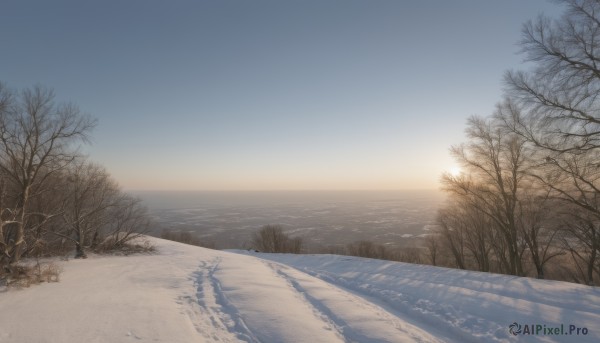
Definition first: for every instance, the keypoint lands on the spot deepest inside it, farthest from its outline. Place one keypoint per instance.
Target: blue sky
(261, 95)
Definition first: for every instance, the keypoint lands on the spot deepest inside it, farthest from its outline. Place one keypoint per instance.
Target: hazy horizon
(321, 218)
(287, 190)
(285, 196)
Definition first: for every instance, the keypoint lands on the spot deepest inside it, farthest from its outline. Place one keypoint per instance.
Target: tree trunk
(19, 244)
(79, 251)
(540, 271)
(590, 268)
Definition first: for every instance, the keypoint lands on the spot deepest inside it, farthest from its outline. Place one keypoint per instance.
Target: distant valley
(321, 218)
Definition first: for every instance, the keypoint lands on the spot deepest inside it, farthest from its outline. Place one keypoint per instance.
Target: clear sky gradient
(265, 95)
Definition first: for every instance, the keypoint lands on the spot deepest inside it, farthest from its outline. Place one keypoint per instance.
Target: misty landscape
(322, 219)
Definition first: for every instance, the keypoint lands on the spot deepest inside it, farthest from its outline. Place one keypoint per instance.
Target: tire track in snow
(453, 318)
(432, 317)
(270, 307)
(356, 319)
(215, 307)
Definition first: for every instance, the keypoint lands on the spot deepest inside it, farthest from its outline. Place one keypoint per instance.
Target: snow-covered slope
(460, 306)
(190, 294)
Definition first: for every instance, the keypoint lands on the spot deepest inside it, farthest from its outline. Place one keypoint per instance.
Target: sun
(455, 171)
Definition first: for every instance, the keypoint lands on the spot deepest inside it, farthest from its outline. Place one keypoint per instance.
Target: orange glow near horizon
(252, 180)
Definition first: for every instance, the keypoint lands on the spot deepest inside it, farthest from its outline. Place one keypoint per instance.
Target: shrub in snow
(22, 275)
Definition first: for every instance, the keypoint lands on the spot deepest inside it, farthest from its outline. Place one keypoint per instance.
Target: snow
(461, 306)
(191, 294)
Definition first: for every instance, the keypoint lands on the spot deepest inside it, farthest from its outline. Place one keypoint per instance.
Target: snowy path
(464, 306)
(274, 303)
(357, 319)
(190, 294)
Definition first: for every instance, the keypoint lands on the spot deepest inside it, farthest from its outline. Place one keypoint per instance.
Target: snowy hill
(191, 294)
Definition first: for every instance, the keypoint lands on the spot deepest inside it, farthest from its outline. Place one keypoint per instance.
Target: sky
(269, 95)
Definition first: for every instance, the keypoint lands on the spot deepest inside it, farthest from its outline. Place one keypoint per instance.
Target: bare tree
(479, 236)
(496, 162)
(538, 154)
(556, 108)
(571, 176)
(581, 238)
(408, 255)
(37, 139)
(432, 244)
(89, 194)
(272, 239)
(5, 233)
(295, 245)
(368, 249)
(129, 220)
(560, 96)
(452, 230)
(539, 227)
(467, 233)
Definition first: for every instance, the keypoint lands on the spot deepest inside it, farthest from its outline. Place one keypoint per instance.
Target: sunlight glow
(454, 171)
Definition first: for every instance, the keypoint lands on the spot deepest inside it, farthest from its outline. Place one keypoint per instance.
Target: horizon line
(285, 190)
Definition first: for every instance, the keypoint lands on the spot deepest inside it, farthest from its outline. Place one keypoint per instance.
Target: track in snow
(217, 319)
(357, 319)
(457, 306)
(262, 301)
